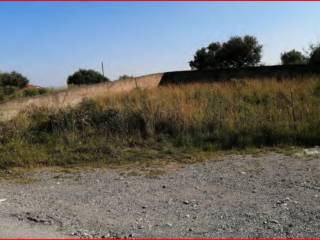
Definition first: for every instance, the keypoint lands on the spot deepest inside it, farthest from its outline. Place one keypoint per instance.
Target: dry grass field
(156, 123)
(75, 95)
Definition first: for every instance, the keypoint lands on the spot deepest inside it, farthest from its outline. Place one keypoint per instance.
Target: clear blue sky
(48, 41)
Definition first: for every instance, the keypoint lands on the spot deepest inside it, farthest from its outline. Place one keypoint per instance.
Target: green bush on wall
(83, 76)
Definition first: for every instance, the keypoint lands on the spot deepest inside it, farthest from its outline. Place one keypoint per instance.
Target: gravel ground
(238, 196)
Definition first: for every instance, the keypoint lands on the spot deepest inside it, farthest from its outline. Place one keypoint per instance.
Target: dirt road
(236, 196)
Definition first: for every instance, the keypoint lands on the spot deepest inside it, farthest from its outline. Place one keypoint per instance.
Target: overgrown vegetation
(14, 85)
(164, 122)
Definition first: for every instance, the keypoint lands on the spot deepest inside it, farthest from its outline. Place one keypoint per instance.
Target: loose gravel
(238, 196)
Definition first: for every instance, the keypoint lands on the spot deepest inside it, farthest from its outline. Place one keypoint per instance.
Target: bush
(235, 53)
(124, 77)
(30, 92)
(293, 57)
(13, 79)
(86, 77)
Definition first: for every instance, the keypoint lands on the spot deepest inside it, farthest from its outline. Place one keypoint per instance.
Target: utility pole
(102, 68)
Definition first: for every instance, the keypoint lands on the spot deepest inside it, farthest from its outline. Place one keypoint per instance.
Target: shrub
(124, 77)
(86, 77)
(236, 52)
(293, 57)
(8, 90)
(13, 79)
(30, 92)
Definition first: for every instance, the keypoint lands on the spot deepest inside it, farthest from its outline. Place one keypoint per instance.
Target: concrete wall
(261, 72)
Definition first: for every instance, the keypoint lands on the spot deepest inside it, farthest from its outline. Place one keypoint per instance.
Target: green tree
(236, 52)
(83, 76)
(293, 57)
(240, 52)
(200, 60)
(315, 55)
(13, 79)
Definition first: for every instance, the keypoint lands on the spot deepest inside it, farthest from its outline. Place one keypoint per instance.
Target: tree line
(237, 52)
(246, 51)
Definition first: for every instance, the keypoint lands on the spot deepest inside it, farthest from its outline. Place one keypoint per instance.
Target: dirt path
(241, 196)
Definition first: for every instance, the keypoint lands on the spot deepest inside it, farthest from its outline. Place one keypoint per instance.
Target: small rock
(163, 186)
(243, 173)
(274, 221)
(169, 224)
(312, 151)
(186, 202)
(190, 230)
(187, 216)
(280, 202)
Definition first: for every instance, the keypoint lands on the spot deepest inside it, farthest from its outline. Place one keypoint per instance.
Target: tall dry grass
(74, 95)
(199, 116)
(228, 114)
